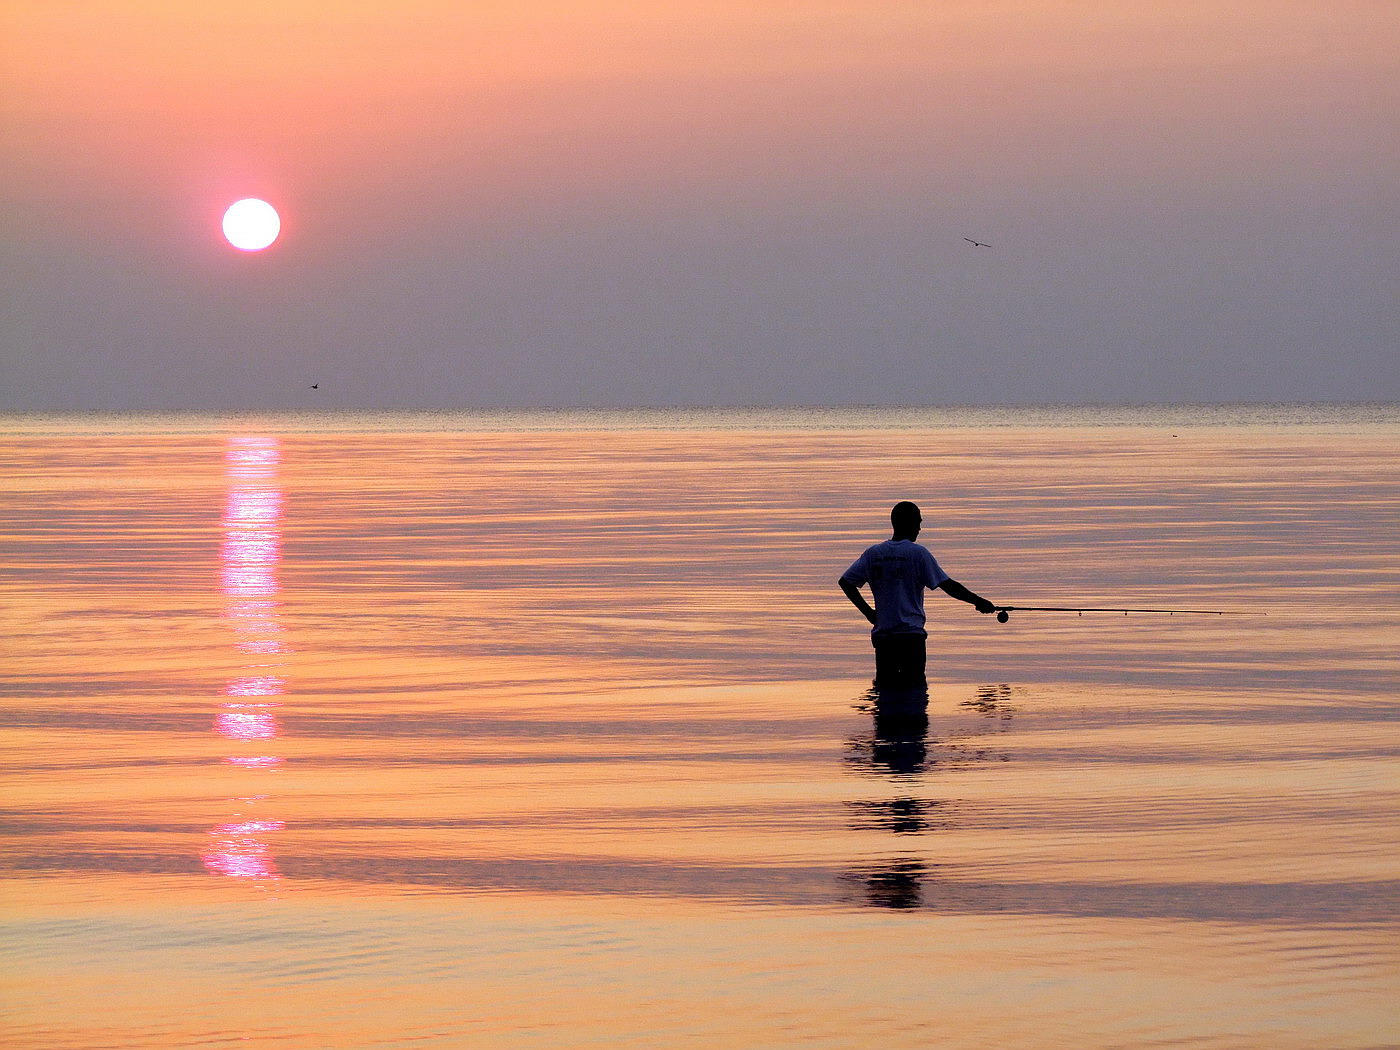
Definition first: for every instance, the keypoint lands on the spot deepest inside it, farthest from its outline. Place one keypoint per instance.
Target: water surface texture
(536, 730)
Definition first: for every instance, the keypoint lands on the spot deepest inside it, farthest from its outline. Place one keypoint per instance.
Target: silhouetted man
(898, 571)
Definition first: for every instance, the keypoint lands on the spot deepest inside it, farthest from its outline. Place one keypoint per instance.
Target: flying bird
(976, 244)
(315, 386)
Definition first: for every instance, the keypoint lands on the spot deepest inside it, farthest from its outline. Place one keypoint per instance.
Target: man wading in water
(898, 570)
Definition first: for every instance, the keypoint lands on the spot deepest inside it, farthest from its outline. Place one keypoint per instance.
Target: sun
(251, 224)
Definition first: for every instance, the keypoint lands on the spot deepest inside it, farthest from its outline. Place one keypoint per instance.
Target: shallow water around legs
(400, 736)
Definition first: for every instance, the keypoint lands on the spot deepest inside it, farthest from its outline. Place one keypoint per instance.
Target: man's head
(906, 520)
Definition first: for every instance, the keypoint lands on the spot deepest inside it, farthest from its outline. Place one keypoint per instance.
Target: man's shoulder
(907, 548)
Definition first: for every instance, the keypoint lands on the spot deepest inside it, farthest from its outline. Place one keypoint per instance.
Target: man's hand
(857, 599)
(983, 606)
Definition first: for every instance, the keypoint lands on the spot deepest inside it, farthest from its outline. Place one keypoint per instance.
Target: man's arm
(857, 599)
(953, 589)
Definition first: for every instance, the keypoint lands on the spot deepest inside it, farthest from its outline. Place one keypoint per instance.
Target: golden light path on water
(250, 553)
(401, 731)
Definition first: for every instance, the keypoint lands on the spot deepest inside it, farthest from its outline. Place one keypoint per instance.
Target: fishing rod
(1004, 611)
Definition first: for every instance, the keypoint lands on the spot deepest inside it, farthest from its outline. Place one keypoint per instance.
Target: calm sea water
(553, 730)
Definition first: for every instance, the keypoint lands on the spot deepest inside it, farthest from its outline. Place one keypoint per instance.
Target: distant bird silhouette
(315, 386)
(976, 244)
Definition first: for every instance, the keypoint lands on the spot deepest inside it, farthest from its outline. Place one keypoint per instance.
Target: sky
(699, 202)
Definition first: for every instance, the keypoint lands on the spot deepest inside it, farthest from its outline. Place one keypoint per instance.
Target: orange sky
(374, 121)
(293, 94)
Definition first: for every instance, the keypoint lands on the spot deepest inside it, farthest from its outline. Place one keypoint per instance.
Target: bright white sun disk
(251, 224)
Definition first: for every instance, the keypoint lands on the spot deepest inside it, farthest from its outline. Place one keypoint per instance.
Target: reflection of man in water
(898, 571)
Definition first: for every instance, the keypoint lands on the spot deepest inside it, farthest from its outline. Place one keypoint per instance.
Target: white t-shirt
(897, 571)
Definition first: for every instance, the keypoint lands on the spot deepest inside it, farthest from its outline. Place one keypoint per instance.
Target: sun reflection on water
(240, 850)
(249, 557)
